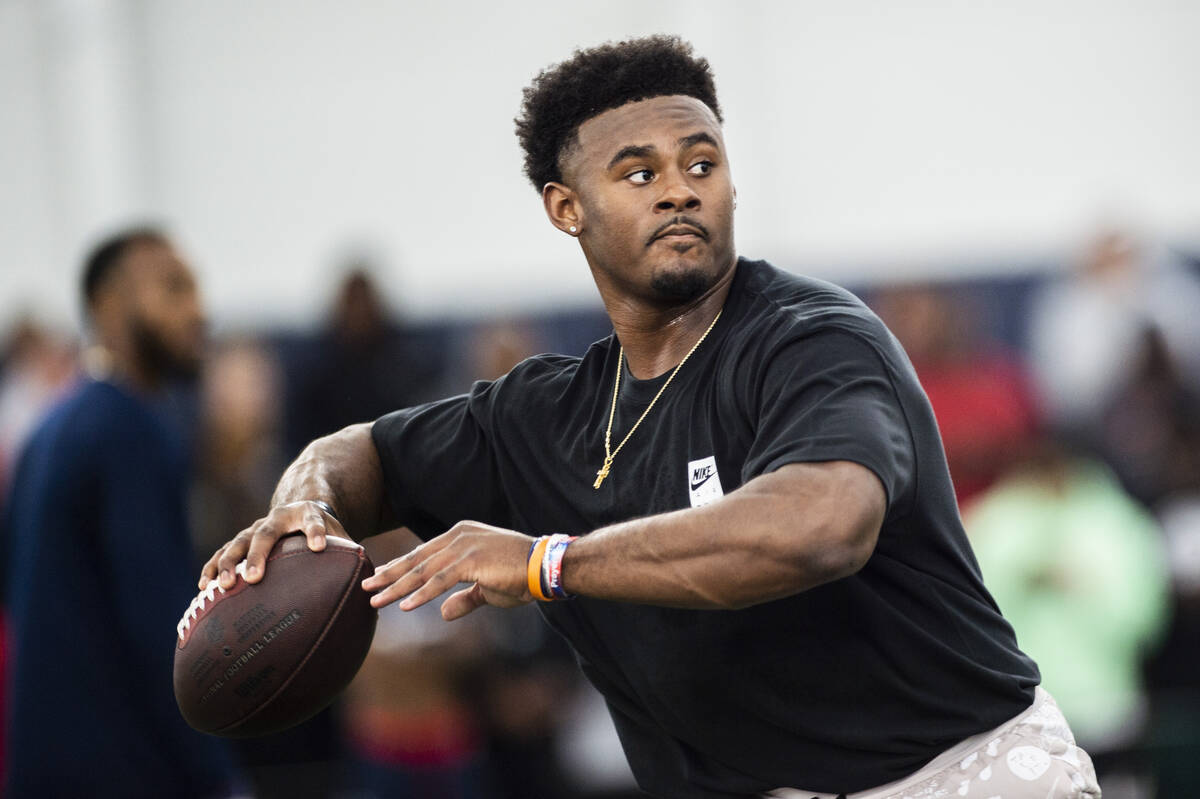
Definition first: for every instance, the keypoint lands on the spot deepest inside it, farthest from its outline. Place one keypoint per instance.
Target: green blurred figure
(1077, 566)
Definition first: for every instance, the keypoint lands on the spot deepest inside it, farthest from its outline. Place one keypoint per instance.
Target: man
(99, 552)
(772, 587)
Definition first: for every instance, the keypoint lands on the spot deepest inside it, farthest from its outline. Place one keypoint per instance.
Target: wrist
(327, 509)
(544, 567)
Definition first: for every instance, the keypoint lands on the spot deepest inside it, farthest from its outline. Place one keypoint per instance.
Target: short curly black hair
(564, 96)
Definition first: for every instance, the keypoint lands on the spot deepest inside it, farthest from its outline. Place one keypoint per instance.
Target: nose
(677, 195)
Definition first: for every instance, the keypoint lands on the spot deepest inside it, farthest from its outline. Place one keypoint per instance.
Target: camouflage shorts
(1032, 756)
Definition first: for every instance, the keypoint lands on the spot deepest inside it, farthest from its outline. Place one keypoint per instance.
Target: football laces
(209, 594)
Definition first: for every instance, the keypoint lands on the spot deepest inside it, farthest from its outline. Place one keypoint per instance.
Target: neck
(656, 338)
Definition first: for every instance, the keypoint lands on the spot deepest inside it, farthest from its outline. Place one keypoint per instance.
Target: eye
(640, 176)
(701, 168)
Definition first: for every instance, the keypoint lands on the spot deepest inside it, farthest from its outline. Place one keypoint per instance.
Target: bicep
(830, 398)
(439, 464)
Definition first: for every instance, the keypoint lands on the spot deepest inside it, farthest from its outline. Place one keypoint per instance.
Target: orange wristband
(533, 569)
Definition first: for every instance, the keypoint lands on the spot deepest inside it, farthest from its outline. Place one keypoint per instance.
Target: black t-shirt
(843, 687)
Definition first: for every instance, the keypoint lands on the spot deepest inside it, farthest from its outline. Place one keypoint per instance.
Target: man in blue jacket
(99, 554)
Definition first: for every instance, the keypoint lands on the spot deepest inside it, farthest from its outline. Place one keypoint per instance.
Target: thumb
(460, 603)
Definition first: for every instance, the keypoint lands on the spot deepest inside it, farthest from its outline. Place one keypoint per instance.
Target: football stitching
(209, 594)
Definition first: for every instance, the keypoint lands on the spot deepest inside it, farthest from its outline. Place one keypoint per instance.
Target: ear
(106, 311)
(562, 208)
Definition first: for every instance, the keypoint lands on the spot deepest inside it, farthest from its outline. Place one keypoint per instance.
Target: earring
(573, 229)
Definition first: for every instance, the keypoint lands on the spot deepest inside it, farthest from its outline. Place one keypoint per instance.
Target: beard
(681, 287)
(157, 356)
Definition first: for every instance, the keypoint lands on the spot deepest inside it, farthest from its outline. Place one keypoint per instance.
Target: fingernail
(251, 571)
(319, 542)
(224, 575)
(406, 604)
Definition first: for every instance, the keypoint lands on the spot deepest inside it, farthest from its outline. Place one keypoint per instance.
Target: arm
(342, 470)
(781, 533)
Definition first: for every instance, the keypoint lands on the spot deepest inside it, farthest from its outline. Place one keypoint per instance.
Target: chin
(682, 285)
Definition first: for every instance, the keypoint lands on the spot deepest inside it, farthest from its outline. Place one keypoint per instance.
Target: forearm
(780, 534)
(343, 470)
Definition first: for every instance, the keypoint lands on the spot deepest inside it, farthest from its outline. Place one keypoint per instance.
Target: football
(256, 659)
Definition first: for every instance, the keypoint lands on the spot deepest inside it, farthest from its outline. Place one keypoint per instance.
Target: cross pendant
(600, 475)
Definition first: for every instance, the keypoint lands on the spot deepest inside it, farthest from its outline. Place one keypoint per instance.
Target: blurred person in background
(1172, 674)
(1089, 332)
(98, 552)
(36, 367)
(980, 392)
(1116, 347)
(240, 448)
(1152, 430)
(359, 366)
(1077, 565)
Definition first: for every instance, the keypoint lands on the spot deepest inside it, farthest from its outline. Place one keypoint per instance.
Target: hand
(255, 542)
(492, 559)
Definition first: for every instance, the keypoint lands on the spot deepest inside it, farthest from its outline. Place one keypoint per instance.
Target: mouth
(679, 231)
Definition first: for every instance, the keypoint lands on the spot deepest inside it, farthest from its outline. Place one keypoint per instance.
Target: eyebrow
(644, 150)
(630, 151)
(697, 138)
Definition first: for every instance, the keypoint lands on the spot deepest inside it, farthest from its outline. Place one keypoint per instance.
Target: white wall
(868, 138)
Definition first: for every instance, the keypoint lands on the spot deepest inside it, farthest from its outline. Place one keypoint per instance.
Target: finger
(460, 603)
(397, 568)
(401, 582)
(233, 554)
(266, 533)
(315, 524)
(387, 573)
(436, 584)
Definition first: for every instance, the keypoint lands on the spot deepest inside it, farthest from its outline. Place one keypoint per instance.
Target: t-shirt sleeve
(439, 463)
(828, 396)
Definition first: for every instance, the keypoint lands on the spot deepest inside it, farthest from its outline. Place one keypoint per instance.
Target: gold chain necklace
(612, 413)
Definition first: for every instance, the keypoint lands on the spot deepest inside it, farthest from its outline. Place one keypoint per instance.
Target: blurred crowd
(1069, 406)
(1069, 409)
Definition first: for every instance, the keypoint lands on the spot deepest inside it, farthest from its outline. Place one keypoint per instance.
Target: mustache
(677, 221)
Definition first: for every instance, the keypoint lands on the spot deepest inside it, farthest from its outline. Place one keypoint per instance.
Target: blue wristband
(552, 574)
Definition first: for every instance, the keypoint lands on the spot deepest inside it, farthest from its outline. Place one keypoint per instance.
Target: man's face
(162, 309)
(655, 198)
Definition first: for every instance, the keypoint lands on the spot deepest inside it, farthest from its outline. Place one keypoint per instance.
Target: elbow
(845, 526)
(836, 553)
(850, 555)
